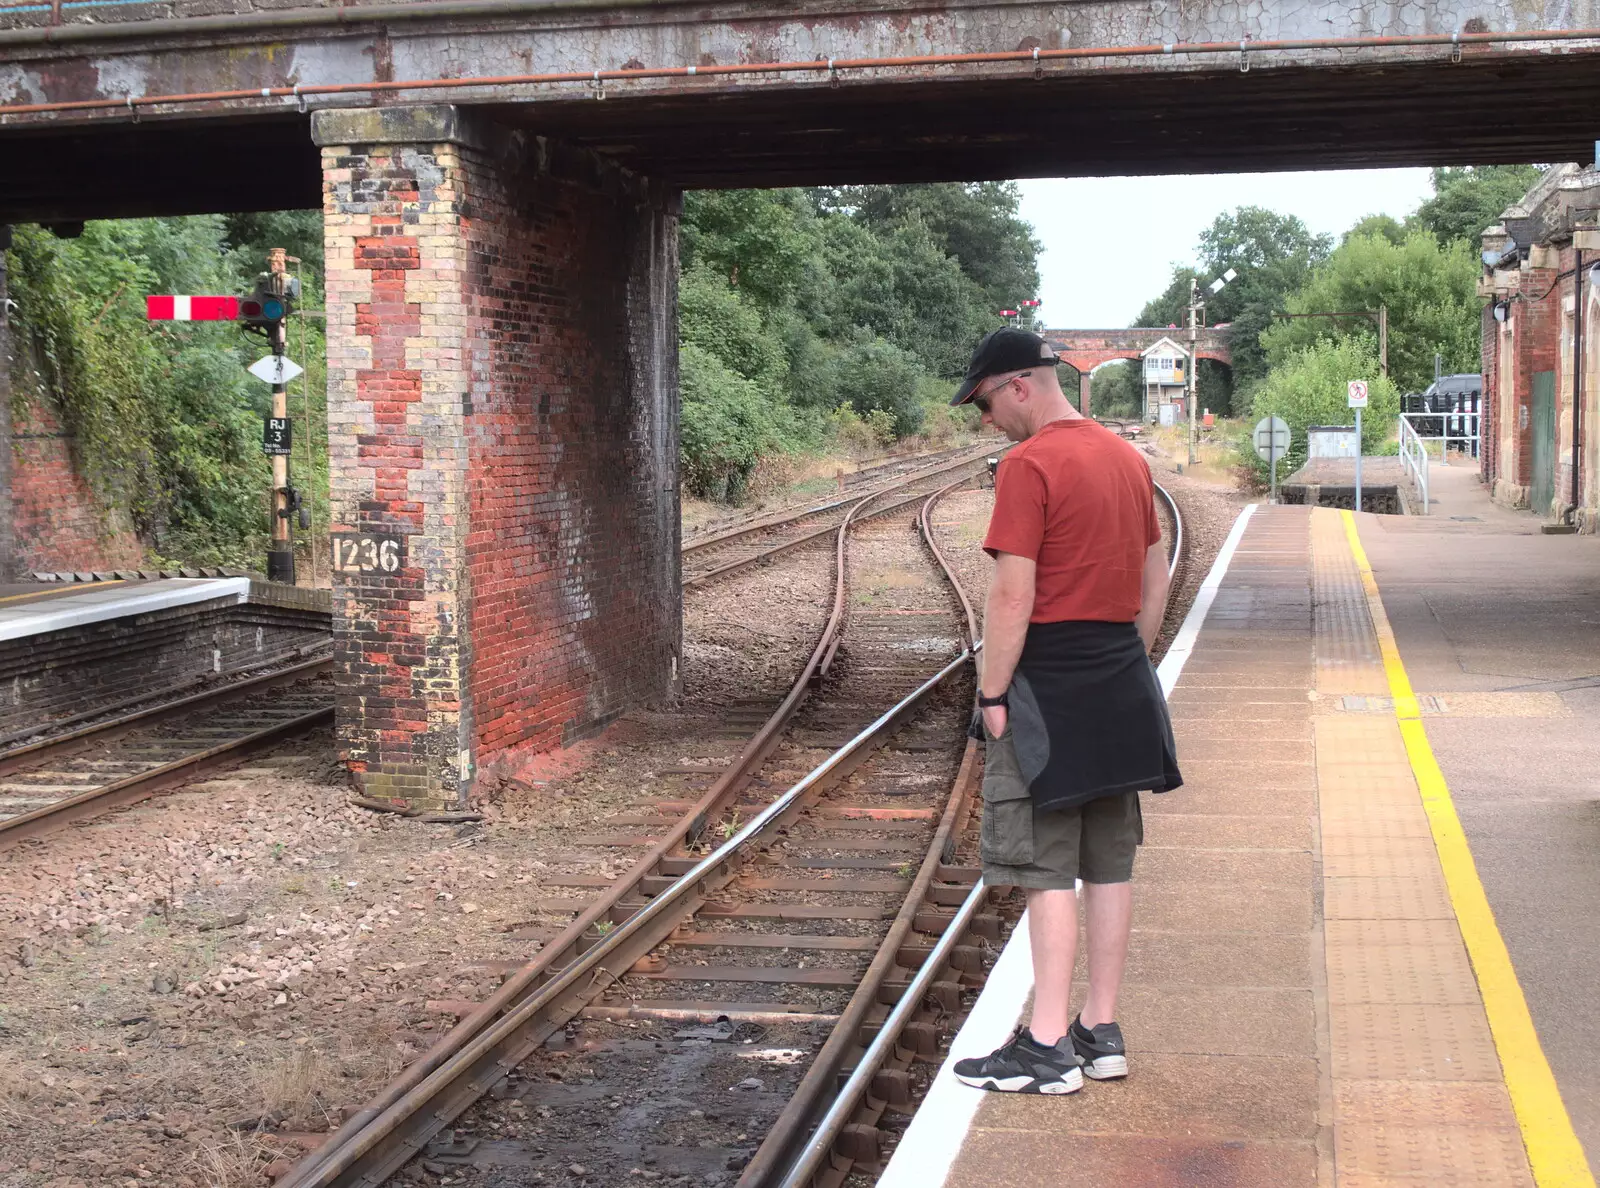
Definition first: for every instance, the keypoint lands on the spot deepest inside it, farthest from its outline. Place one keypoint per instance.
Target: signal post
(263, 312)
(280, 553)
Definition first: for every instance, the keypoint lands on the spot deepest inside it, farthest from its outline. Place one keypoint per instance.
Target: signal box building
(1165, 379)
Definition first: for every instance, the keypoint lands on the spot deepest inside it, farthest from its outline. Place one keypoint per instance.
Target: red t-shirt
(1079, 501)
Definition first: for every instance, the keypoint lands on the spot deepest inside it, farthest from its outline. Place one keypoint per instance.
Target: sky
(1110, 242)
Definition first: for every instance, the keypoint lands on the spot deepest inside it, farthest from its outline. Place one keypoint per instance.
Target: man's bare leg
(1108, 913)
(1053, 940)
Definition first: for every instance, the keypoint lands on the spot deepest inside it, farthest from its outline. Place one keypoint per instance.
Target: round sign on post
(1271, 439)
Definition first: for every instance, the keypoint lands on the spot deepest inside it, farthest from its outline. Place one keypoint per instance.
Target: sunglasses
(980, 401)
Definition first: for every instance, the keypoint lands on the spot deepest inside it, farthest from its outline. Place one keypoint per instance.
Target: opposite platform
(50, 607)
(1300, 1006)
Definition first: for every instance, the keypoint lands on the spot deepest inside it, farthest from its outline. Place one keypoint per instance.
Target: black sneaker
(1023, 1065)
(1101, 1050)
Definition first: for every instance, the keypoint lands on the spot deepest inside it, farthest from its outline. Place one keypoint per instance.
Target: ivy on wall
(165, 422)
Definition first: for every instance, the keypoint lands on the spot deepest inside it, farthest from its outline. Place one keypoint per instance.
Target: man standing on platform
(1075, 721)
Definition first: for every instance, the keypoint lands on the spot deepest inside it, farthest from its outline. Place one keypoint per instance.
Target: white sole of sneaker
(1107, 1068)
(1068, 1084)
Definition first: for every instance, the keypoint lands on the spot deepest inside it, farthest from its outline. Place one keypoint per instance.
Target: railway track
(70, 777)
(61, 778)
(735, 549)
(751, 916)
(857, 483)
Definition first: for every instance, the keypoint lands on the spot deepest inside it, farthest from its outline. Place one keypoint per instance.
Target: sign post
(1357, 390)
(1271, 439)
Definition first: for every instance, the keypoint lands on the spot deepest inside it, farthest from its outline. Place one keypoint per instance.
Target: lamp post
(1196, 308)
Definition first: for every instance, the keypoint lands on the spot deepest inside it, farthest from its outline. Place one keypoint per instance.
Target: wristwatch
(989, 702)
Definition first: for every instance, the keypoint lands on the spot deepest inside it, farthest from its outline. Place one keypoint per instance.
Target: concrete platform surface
(34, 610)
(1502, 626)
(1301, 1005)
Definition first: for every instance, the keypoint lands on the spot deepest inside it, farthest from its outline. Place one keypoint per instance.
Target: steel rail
(822, 1077)
(828, 68)
(61, 745)
(147, 783)
(883, 1044)
(817, 534)
(931, 465)
(574, 942)
(387, 1142)
(1177, 531)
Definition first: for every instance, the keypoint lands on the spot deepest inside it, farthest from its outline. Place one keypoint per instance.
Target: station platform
(1363, 930)
(37, 608)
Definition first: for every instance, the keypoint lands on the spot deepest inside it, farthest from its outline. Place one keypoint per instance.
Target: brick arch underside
(1084, 362)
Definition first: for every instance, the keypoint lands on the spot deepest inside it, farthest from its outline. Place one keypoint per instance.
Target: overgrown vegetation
(166, 424)
(811, 317)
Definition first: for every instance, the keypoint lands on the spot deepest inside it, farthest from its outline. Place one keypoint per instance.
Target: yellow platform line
(58, 590)
(1554, 1153)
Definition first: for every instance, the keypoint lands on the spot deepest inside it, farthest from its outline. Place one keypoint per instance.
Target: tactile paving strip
(1413, 1042)
(1418, 1091)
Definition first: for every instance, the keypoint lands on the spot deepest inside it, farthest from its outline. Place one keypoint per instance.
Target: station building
(1541, 264)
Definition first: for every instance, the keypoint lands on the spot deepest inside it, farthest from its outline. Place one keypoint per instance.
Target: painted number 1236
(367, 552)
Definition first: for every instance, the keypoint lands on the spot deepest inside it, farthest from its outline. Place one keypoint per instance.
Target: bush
(1309, 388)
(876, 376)
(727, 424)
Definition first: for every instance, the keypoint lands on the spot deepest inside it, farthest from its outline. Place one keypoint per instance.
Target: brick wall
(1538, 335)
(1489, 418)
(8, 545)
(56, 522)
(571, 286)
(101, 665)
(502, 392)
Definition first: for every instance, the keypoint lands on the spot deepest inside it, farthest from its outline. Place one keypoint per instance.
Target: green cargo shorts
(1049, 850)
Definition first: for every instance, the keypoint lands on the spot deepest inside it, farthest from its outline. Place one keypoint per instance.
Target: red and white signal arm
(182, 308)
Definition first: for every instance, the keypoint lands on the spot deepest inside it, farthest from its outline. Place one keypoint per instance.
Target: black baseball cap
(1000, 351)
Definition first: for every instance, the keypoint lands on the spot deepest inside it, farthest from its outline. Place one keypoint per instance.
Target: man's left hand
(994, 718)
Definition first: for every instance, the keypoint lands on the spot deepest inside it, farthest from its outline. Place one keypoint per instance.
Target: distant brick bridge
(1088, 350)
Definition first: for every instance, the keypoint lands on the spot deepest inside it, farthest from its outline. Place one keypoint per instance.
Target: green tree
(900, 286)
(1309, 388)
(1381, 225)
(977, 223)
(163, 416)
(758, 240)
(1273, 255)
(727, 425)
(1430, 293)
(716, 318)
(1117, 390)
(877, 376)
(1468, 200)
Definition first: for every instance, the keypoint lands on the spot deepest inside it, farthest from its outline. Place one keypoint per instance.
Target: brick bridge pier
(502, 396)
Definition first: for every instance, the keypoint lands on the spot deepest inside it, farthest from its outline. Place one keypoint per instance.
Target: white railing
(1458, 430)
(1414, 458)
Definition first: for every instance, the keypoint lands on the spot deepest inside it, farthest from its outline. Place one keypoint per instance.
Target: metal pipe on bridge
(365, 14)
